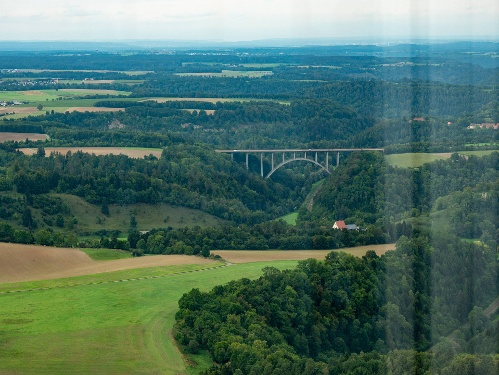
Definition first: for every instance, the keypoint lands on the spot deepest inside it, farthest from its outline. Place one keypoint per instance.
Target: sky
(243, 20)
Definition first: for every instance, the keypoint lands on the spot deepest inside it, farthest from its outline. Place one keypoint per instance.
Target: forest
(426, 307)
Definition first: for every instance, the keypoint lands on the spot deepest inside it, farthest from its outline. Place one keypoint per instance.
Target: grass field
(41, 96)
(112, 328)
(230, 73)
(213, 100)
(290, 218)
(412, 160)
(112, 323)
(106, 254)
(415, 160)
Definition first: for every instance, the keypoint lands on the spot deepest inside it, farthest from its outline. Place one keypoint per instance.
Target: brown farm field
(247, 256)
(137, 153)
(22, 137)
(94, 109)
(18, 110)
(20, 263)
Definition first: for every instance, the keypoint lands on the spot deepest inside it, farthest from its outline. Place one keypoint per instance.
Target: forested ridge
(419, 309)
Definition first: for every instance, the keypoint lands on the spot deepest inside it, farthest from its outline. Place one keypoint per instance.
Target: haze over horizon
(224, 21)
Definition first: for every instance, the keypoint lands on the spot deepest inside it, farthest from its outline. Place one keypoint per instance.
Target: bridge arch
(296, 159)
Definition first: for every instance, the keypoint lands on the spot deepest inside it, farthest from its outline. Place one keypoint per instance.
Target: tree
(39, 106)
(40, 152)
(27, 219)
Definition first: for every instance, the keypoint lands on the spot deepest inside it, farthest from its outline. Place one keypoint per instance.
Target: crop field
(111, 320)
(240, 256)
(213, 100)
(101, 81)
(22, 137)
(41, 96)
(230, 73)
(28, 262)
(131, 152)
(128, 72)
(93, 109)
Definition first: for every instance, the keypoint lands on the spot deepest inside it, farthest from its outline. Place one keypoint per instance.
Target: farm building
(340, 224)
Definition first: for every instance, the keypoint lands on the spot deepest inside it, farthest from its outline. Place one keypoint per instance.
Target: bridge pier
(261, 163)
(247, 164)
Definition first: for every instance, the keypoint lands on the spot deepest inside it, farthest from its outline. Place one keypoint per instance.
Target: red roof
(340, 224)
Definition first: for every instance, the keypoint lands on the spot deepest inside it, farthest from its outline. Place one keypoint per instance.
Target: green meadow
(230, 73)
(415, 160)
(37, 96)
(90, 217)
(118, 327)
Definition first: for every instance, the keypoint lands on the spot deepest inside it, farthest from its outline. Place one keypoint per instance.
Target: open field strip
(478, 152)
(230, 73)
(130, 152)
(41, 96)
(415, 160)
(93, 109)
(211, 100)
(107, 328)
(21, 137)
(18, 110)
(100, 81)
(127, 72)
(246, 256)
(20, 263)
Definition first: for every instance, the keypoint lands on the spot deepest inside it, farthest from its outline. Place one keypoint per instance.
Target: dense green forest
(419, 309)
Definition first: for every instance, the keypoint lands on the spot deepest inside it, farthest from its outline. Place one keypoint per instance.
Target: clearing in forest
(246, 256)
(21, 137)
(131, 152)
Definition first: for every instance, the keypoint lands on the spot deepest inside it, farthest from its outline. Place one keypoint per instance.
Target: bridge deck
(301, 150)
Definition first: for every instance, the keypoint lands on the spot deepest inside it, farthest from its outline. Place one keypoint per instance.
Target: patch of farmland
(137, 153)
(243, 256)
(94, 109)
(28, 262)
(18, 110)
(230, 73)
(211, 100)
(4, 137)
(94, 92)
(208, 111)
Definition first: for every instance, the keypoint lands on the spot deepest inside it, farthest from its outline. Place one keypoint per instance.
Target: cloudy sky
(231, 20)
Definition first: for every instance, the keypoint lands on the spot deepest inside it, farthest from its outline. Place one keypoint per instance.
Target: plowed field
(27, 263)
(130, 152)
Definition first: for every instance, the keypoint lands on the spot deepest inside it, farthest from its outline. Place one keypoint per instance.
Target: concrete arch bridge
(280, 157)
